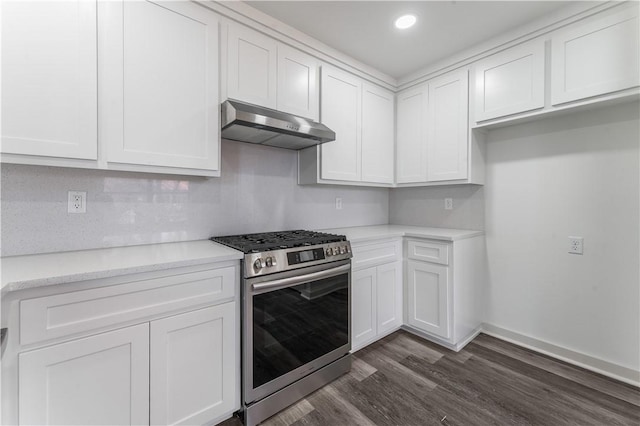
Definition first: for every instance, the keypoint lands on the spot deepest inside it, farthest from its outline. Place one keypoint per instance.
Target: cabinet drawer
(367, 255)
(428, 251)
(59, 315)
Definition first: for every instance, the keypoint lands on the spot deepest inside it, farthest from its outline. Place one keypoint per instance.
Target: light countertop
(38, 270)
(360, 234)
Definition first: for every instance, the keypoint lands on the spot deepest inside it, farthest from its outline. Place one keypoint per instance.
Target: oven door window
(295, 325)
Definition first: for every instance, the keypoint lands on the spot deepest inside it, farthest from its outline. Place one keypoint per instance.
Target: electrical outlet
(77, 202)
(448, 203)
(338, 203)
(576, 245)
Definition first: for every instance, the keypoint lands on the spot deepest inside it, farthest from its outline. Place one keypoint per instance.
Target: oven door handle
(300, 279)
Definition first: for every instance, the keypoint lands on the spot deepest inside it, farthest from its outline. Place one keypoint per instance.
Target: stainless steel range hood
(254, 124)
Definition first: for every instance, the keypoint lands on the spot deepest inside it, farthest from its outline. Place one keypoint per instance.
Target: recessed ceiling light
(405, 21)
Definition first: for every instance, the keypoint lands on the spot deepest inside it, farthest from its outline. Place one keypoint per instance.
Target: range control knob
(329, 251)
(271, 261)
(343, 250)
(258, 264)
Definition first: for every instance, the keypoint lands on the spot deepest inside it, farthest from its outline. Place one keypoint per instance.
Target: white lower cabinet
(192, 356)
(172, 371)
(102, 379)
(388, 297)
(428, 293)
(376, 307)
(444, 289)
(363, 314)
(164, 352)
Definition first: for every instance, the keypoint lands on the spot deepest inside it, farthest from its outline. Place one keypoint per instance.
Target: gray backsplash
(425, 206)
(257, 192)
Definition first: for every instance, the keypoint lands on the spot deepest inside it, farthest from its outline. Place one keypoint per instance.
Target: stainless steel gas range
(296, 310)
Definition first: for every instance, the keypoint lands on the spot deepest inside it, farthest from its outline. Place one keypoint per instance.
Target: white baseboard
(454, 347)
(606, 368)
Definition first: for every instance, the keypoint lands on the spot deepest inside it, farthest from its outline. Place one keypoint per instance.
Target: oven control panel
(270, 262)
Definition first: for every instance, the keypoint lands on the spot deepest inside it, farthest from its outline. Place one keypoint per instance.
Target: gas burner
(280, 240)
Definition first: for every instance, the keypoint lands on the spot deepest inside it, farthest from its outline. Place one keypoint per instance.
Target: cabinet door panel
(252, 62)
(411, 139)
(160, 90)
(297, 83)
(377, 135)
(193, 364)
(363, 312)
(389, 297)
(447, 142)
(340, 111)
(49, 74)
(595, 58)
(428, 298)
(510, 82)
(102, 379)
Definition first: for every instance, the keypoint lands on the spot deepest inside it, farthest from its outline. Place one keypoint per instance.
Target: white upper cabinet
(252, 64)
(411, 135)
(159, 84)
(377, 134)
(510, 82)
(362, 116)
(297, 91)
(49, 79)
(341, 111)
(447, 135)
(595, 58)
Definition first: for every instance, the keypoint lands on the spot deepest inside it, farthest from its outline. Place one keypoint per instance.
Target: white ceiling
(364, 29)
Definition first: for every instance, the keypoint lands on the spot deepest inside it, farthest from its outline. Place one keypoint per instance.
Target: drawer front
(427, 251)
(59, 315)
(367, 255)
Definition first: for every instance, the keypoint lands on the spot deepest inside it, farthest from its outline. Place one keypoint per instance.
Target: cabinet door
(49, 79)
(340, 110)
(297, 83)
(193, 366)
(363, 309)
(428, 298)
(159, 84)
(411, 135)
(251, 69)
(447, 141)
(102, 379)
(377, 134)
(389, 296)
(595, 58)
(510, 82)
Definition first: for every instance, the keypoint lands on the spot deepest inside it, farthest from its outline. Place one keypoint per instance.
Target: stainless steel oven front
(294, 323)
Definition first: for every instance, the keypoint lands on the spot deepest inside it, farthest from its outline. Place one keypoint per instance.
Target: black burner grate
(267, 241)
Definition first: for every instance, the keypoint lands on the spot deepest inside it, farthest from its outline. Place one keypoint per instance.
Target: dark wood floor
(405, 380)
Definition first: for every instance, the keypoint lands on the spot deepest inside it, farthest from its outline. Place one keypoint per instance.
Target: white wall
(425, 206)
(257, 192)
(574, 175)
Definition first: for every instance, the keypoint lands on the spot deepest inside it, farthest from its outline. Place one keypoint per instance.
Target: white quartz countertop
(360, 234)
(38, 270)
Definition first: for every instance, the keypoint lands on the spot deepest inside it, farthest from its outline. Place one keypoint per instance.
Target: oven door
(295, 322)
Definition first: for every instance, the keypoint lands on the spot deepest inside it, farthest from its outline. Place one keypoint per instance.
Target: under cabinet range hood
(254, 124)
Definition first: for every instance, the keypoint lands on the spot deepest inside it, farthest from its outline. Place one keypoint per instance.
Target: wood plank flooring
(405, 380)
